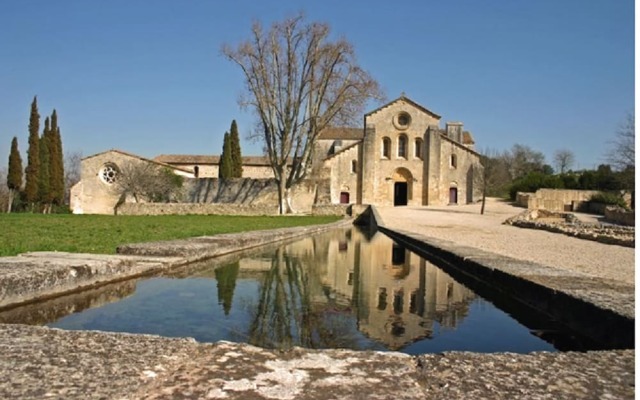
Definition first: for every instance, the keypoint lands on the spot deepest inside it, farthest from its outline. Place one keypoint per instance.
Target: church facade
(400, 156)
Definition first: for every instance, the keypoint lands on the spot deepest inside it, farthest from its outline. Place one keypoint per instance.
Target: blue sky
(148, 76)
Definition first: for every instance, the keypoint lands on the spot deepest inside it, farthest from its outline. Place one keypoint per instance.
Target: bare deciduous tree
(494, 177)
(5, 193)
(145, 181)
(563, 160)
(72, 171)
(622, 153)
(299, 82)
(522, 159)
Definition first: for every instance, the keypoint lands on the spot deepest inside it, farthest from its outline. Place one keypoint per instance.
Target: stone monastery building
(400, 157)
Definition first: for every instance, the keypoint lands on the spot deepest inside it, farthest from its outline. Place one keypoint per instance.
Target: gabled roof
(408, 100)
(194, 159)
(154, 161)
(341, 133)
(467, 138)
(444, 136)
(342, 150)
(187, 159)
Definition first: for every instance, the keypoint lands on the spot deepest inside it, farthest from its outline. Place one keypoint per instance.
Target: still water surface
(341, 289)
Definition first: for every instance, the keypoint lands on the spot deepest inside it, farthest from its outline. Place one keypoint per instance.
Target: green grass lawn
(20, 233)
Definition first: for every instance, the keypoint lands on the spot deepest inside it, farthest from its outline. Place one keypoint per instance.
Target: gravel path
(465, 226)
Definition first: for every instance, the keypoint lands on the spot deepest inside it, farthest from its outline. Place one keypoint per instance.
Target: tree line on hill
(522, 169)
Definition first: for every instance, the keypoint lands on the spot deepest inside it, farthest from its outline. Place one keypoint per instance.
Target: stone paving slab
(38, 362)
(592, 375)
(240, 371)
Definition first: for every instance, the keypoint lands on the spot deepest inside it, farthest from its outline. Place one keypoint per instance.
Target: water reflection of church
(399, 297)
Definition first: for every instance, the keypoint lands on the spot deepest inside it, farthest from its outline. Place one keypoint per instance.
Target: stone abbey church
(401, 156)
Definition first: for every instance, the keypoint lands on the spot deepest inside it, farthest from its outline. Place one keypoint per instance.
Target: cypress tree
(226, 277)
(44, 183)
(33, 155)
(226, 163)
(14, 177)
(236, 154)
(56, 162)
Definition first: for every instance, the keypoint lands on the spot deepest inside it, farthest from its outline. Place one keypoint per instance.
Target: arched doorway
(402, 187)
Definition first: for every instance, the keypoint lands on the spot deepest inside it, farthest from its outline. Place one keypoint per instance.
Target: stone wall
(248, 171)
(195, 209)
(238, 196)
(620, 216)
(204, 170)
(558, 199)
(522, 199)
(235, 190)
(331, 209)
(249, 191)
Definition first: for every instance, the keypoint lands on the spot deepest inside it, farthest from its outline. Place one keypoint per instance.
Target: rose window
(109, 173)
(402, 120)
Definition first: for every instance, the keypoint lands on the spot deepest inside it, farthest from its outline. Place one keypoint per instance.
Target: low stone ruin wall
(620, 216)
(568, 224)
(522, 199)
(250, 192)
(331, 209)
(553, 199)
(195, 209)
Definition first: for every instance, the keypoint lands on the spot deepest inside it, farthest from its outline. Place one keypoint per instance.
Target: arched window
(386, 147)
(418, 149)
(196, 171)
(453, 161)
(382, 298)
(354, 166)
(402, 146)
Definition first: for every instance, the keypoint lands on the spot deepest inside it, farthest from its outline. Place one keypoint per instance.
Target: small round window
(402, 120)
(109, 173)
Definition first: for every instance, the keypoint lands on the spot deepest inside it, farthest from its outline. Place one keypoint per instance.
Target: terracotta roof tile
(187, 159)
(194, 159)
(341, 133)
(340, 151)
(467, 138)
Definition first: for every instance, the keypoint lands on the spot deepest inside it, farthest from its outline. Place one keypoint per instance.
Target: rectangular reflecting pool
(341, 289)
